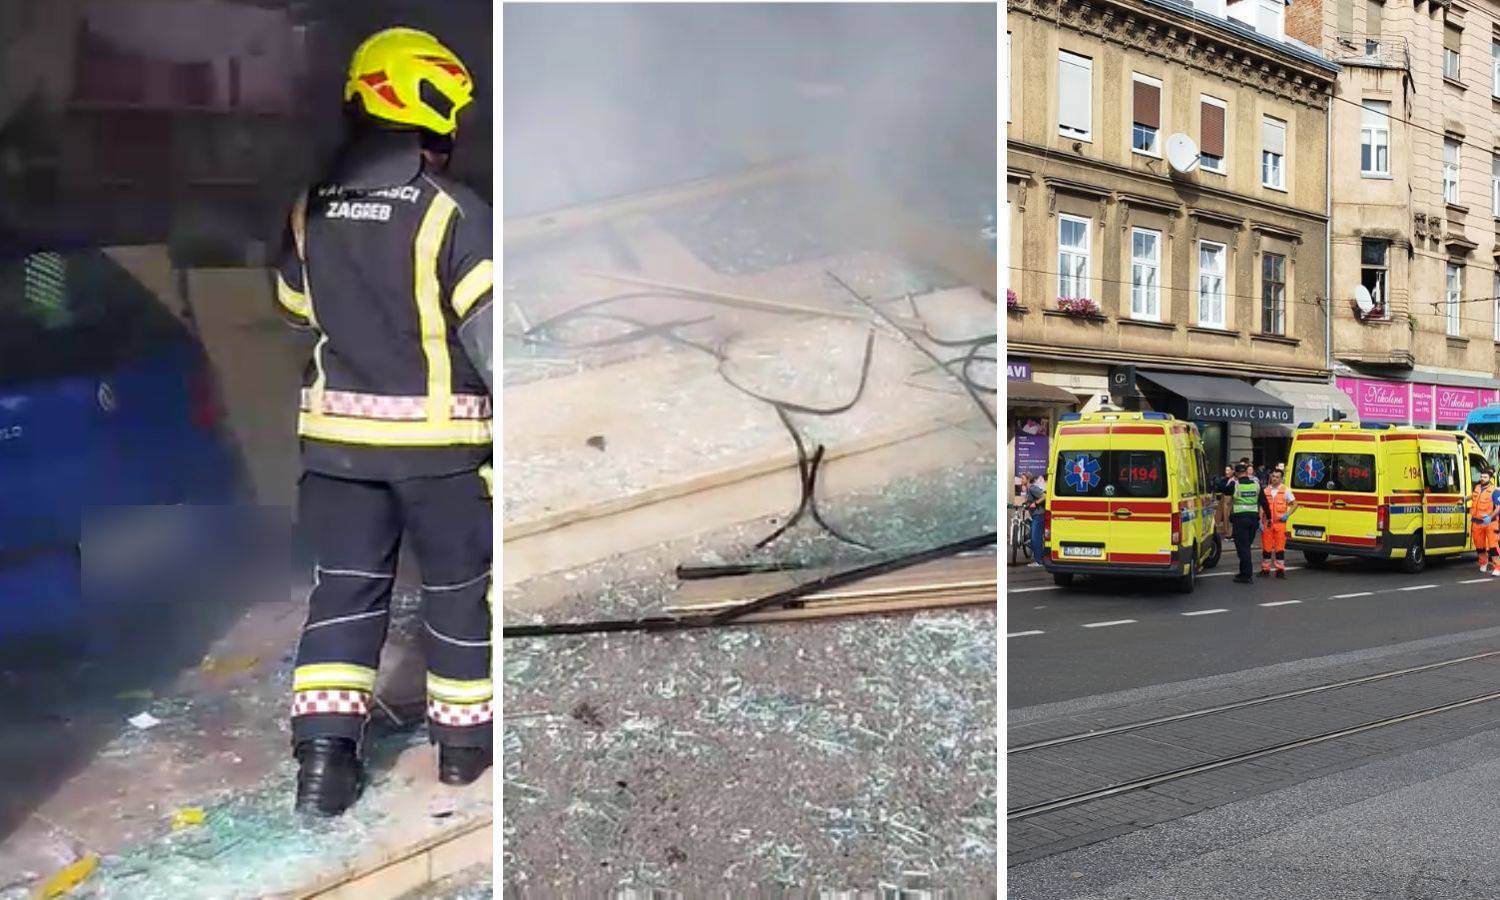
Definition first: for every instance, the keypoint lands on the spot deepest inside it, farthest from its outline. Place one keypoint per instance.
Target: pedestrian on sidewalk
(1247, 505)
(1036, 498)
(1282, 503)
(1483, 508)
(1221, 508)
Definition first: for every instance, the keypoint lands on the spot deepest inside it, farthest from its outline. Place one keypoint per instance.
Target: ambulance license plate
(1307, 531)
(1083, 550)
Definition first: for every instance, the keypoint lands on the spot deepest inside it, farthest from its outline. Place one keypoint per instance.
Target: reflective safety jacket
(1278, 499)
(387, 262)
(1485, 502)
(1247, 499)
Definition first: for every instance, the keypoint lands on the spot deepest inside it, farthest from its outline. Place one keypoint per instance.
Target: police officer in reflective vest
(1282, 503)
(1483, 509)
(1247, 505)
(388, 261)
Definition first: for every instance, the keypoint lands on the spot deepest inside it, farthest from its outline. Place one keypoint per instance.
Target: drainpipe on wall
(1328, 240)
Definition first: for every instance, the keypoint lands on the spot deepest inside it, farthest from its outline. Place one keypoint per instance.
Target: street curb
(391, 872)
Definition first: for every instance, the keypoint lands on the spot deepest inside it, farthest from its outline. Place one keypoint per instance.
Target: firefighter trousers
(356, 528)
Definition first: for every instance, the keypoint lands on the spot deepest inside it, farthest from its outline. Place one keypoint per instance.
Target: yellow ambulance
(1381, 491)
(1130, 495)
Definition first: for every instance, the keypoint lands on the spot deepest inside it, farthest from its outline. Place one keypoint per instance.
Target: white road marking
(1023, 633)
(1235, 572)
(1050, 587)
(1350, 596)
(1281, 603)
(1476, 580)
(1418, 587)
(1204, 612)
(1107, 624)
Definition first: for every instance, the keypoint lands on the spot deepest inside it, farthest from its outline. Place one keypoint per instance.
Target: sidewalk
(194, 800)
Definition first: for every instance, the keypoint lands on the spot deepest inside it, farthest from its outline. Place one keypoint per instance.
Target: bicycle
(1020, 531)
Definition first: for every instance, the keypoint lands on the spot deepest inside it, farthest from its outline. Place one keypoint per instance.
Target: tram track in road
(1073, 770)
(1243, 704)
(1083, 797)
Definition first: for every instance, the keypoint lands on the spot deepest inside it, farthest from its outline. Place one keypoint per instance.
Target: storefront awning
(1035, 393)
(1311, 402)
(1217, 399)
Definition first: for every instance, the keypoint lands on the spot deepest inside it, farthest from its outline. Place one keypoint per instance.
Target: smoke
(602, 100)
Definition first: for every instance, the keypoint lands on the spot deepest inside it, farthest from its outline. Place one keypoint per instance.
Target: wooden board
(529, 229)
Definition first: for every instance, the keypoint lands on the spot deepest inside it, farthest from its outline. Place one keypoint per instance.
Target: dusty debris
(812, 754)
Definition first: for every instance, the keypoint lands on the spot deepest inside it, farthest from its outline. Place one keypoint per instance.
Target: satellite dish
(1182, 153)
(1363, 300)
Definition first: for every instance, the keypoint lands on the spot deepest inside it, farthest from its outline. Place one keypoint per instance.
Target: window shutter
(1074, 91)
(1147, 104)
(1452, 38)
(1212, 129)
(1273, 136)
(1373, 14)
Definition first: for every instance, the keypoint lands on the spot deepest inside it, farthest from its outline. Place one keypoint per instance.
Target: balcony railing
(1377, 51)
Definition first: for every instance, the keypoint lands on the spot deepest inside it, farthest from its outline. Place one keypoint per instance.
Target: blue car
(107, 401)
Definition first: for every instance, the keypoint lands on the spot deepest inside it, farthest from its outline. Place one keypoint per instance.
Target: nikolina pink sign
(1421, 405)
(1454, 404)
(1378, 401)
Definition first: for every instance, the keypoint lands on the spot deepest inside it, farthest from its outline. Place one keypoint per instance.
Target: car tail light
(203, 399)
(1382, 518)
(1176, 528)
(1046, 529)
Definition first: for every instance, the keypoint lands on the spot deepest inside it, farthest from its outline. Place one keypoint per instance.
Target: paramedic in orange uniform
(1282, 501)
(1482, 520)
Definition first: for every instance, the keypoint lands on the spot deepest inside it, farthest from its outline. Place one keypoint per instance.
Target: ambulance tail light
(1176, 528)
(1046, 529)
(1382, 518)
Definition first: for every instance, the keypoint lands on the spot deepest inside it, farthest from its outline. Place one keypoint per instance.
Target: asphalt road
(1103, 636)
(1415, 824)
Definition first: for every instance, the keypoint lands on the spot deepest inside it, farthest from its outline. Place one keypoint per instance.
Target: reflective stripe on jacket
(385, 260)
(1246, 498)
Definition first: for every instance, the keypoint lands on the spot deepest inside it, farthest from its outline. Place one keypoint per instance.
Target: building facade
(1416, 203)
(1203, 283)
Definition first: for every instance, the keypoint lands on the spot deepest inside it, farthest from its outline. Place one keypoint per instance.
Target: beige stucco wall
(1104, 180)
(1390, 209)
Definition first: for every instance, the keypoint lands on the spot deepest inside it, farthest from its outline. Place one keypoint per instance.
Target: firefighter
(1482, 518)
(1281, 502)
(1247, 506)
(387, 260)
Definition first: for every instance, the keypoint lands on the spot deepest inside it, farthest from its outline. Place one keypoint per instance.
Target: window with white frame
(1452, 44)
(1273, 152)
(1495, 183)
(1451, 297)
(1375, 138)
(1495, 68)
(1496, 304)
(1452, 154)
(1270, 17)
(1211, 269)
(1072, 257)
(1372, 272)
(1145, 130)
(1075, 96)
(1272, 293)
(1145, 274)
(1213, 115)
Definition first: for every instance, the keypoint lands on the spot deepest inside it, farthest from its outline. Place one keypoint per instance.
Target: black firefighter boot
(462, 765)
(330, 776)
